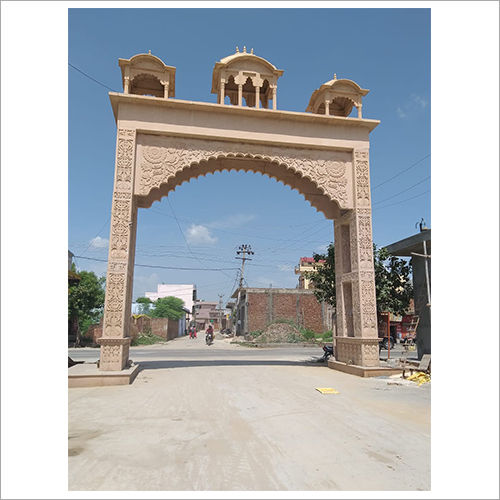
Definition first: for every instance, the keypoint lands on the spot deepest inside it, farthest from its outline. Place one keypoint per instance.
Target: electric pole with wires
(243, 250)
(220, 311)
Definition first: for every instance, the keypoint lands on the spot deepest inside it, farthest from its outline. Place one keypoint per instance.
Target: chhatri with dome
(322, 153)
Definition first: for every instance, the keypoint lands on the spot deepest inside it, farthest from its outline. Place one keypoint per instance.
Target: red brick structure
(259, 307)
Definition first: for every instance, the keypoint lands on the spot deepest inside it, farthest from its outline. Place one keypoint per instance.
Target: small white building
(187, 293)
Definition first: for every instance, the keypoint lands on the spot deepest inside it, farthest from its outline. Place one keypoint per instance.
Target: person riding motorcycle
(209, 338)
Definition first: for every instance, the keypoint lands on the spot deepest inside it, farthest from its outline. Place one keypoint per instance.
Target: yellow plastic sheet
(420, 378)
(327, 390)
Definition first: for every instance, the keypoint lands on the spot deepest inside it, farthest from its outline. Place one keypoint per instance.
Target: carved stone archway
(163, 142)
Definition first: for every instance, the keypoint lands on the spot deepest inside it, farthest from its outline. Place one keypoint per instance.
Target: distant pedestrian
(192, 332)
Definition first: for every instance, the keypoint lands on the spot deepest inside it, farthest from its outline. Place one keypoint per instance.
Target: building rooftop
(405, 247)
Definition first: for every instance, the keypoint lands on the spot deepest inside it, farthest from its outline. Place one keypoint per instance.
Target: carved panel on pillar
(365, 243)
(362, 178)
(115, 314)
(368, 300)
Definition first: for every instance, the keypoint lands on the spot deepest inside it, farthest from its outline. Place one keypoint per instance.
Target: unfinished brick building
(259, 307)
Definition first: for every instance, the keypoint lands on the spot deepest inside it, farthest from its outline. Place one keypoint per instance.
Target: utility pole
(220, 311)
(243, 250)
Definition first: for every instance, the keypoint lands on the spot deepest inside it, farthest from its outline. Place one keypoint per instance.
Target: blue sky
(384, 50)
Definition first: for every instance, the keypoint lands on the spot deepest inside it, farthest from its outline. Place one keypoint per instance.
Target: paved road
(197, 349)
(227, 417)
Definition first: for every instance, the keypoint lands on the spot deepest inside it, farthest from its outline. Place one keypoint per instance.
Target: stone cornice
(117, 98)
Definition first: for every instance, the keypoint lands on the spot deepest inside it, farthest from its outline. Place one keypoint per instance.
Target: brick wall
(159, 326)
(270, 305)
(257, 311)
(172, 329)
(163, 327)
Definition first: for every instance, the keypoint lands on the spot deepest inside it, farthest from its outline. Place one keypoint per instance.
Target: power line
(100, 230)
(165, 267)
(403, 201)
(402, 172)
(404, 191)
(182, 232)
(91, 78)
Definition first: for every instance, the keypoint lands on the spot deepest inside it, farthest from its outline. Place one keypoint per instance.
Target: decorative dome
(145, 74)
(245, 75)
(337, 97)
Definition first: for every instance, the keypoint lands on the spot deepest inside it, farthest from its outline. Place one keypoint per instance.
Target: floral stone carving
(161, 162)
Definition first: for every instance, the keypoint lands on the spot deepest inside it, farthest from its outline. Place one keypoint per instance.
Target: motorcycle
(327, 353)
(209, 338)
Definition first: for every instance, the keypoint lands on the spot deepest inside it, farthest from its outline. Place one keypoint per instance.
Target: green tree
(86, 299)
(168, 307)
(392, 280)
(145, 307)
(323, 276)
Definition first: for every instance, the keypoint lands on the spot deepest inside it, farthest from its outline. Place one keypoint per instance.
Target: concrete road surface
(227, 417)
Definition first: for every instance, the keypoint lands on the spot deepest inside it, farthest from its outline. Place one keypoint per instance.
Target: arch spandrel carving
(323, 177)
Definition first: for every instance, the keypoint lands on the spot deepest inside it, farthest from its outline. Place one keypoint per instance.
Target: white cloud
(99, 242)
(419, 100)
(145, 283)
(285, 267)
(414, 104)
(199, 235)
(231, 221)
(322, 249)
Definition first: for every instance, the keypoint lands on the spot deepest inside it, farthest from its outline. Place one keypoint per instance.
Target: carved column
(115, 340)
(222, 90)
(275, 103)
(165, 89)
(359, 107)
(126, 85)
(240, 94)
(257, 97)
(327, 107)
(357, 336)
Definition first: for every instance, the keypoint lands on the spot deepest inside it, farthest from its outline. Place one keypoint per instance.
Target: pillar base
(360, 351)
(364, 371)
(114, 353)
(88, 375)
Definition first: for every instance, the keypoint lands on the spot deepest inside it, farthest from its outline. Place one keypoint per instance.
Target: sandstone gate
(322, 153)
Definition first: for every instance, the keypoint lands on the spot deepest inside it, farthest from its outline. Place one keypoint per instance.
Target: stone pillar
(115, 340)
(240, 94)
(257, 96)
(222, 91)
(327, 107)
(275, 103)
(126, 85)
(357, 335)
(165, 89)
(359, 107)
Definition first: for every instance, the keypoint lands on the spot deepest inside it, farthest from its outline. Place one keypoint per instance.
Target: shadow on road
(185, 363)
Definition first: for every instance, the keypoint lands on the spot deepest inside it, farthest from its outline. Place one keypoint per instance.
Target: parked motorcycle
(327, 353)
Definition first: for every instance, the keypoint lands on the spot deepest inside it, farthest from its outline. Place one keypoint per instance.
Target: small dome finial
(251, 51)
(335, 76)
(237, 49)
(245, 49)
(149, 52)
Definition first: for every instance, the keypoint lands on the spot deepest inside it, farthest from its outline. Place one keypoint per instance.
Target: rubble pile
(280, 333)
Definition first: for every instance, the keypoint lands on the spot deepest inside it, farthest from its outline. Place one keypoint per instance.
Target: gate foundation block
(88, 375)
